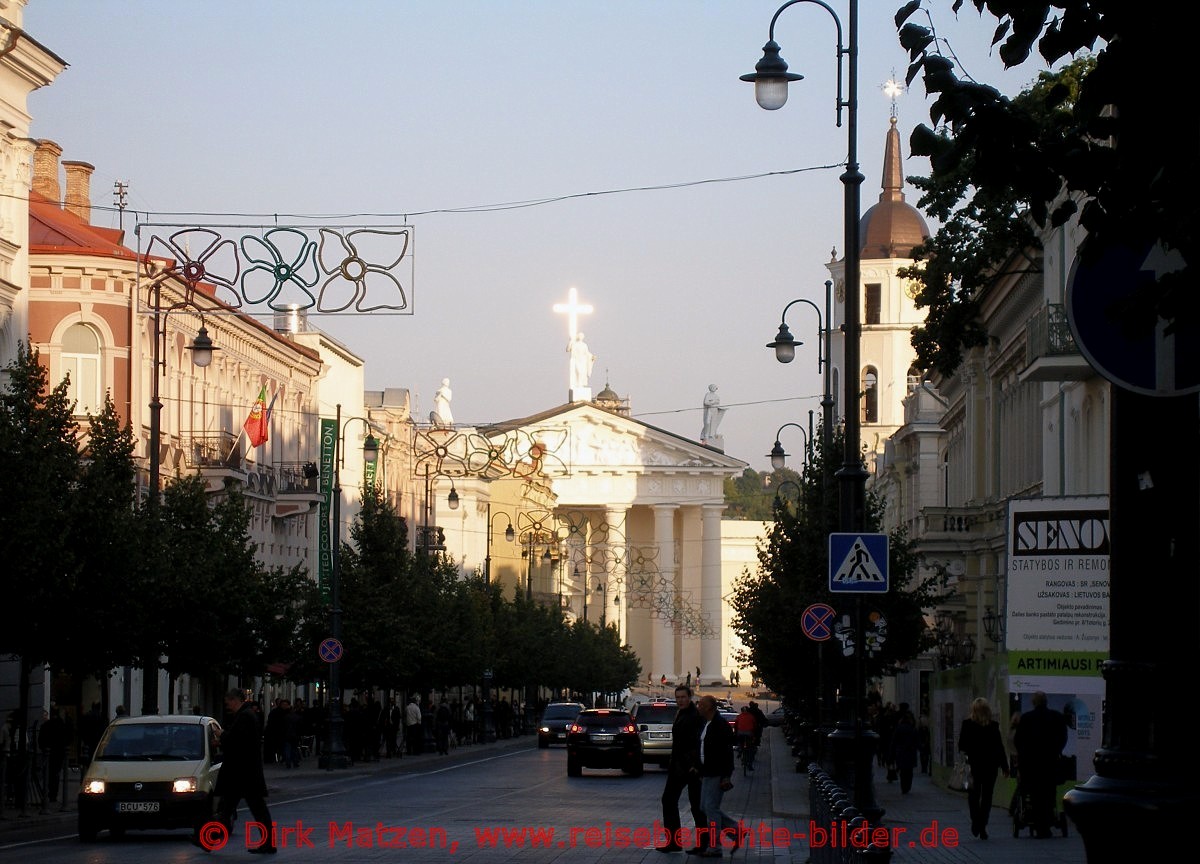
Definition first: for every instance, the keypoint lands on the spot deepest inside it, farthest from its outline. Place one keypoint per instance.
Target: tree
(1086, 139)
(39, 469)
(97, 629)
(792, 574)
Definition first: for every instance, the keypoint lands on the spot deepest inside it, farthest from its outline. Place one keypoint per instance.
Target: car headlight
(93, 787)
(184, 784)
(545, 729)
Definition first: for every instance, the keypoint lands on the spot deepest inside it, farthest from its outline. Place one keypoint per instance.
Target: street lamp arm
(778, 455)
(773, 66)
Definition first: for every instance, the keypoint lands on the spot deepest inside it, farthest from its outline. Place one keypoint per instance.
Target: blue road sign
(330, 650)
(817, 622)
(1132, 349)
(858, 563)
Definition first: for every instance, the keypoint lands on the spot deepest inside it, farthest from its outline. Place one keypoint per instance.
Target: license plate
(660, 736)
(602, 739)
(561, 735)
(138, 806)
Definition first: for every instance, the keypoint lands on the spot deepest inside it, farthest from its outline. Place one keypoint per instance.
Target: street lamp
(202, 353)
(785, 346)
(509, 534)
(778, 455)
(584, 592)
(335, 754)
(771, 79)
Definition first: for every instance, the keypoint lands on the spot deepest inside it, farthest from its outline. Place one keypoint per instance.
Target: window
(81, 362)
(870, 402)
(872, 305)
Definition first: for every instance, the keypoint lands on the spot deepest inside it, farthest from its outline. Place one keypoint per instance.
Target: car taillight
(629, 729)
(575, 727)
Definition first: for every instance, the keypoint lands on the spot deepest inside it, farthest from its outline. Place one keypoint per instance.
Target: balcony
(217, 459)
(297, 488)
(1050, 350)
(430, 538)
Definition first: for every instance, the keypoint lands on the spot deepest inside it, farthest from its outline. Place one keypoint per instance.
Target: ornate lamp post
(335, 753)
(771, 79)
(509, 534)
(778, 455)
(202, 352)
(785, 345)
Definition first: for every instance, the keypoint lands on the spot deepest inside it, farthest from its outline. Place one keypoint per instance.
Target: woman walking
(979, 739)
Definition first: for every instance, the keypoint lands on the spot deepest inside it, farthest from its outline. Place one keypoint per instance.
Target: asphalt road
(502, 803)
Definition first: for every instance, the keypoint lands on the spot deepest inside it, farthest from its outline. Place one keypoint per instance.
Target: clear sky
(710, 213)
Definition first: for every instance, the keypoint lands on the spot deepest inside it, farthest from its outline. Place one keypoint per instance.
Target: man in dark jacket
(682, 771)
(241, 774)
(716, 769)
(1039, 739)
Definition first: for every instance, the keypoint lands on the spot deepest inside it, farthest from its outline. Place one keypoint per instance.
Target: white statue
(712, 414)
(441, 416)
(581, 362)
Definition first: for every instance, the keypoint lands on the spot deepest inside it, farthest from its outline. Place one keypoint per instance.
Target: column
(615, 575)
(662, 635)
(713, 649)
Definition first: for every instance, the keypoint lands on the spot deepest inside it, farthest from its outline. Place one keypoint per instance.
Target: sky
(687, 216)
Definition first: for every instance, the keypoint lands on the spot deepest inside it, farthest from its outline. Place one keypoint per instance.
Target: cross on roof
(574, 309)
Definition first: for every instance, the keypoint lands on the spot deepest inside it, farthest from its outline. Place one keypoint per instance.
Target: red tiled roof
(52, 229)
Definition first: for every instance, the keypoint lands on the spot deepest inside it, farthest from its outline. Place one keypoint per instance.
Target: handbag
(960, 777)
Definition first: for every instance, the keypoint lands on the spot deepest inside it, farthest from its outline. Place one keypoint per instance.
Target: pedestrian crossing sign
(858, 563)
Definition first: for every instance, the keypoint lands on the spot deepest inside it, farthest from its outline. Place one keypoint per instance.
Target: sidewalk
(925, 807)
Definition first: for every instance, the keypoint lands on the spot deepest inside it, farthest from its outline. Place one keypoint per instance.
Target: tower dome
(891, 228)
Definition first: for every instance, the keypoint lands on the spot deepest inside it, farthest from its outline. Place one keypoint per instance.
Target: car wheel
(543, 743)
(634, 769)
(88, 829)
(574, 769)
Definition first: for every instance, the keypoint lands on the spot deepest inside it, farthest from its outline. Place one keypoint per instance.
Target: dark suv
(603, 738)
(555, 720)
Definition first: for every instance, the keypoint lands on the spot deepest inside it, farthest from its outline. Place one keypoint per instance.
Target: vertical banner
(325, 552)
(369, 475)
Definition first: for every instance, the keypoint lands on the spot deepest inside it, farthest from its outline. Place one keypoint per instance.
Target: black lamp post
(771, 79)
(785, 346)
(335, 755)
(202, 352)
(509, 534)
(778, 455)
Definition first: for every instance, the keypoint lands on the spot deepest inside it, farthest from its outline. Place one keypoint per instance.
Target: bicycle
(746, 751)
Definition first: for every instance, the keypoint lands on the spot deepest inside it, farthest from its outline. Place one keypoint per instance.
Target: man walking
(414, 734)
(241, 774)
(1040, 738)
(716, 769)
(683, 771)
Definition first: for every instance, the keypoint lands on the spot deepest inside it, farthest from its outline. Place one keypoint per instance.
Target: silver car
(653, 721)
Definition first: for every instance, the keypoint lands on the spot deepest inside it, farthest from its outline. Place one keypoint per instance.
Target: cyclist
(746, 727)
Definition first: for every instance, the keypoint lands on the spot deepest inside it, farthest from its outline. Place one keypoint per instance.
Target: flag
(256, 424)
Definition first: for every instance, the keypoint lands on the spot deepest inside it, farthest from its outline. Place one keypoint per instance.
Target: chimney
(79, 190)
(45, 170)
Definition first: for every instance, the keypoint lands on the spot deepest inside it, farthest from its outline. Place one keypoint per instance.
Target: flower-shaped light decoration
(359, 263)
(216, 263)
(573, 525)
(282, 267)
(537, 452)
(491, 457)
(440, 451)
(535, 526)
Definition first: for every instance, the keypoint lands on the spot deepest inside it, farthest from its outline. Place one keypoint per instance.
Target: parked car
(776, 717)
(555, 720)
(730, 717)
(653, 721)
(156, 771)
(604, 738)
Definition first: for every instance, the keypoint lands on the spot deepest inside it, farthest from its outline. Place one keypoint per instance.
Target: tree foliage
(792, 574)
(1101, 137)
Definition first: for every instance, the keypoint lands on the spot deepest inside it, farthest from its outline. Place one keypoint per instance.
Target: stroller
(1021, 811)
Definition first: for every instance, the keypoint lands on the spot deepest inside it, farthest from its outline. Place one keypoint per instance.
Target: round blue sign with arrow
(1110, 309)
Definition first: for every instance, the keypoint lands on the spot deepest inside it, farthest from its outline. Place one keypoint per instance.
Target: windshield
(657, 714)
(149, 742)
(561, 712)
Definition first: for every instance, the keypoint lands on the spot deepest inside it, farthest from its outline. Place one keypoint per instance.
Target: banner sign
(325, 552)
